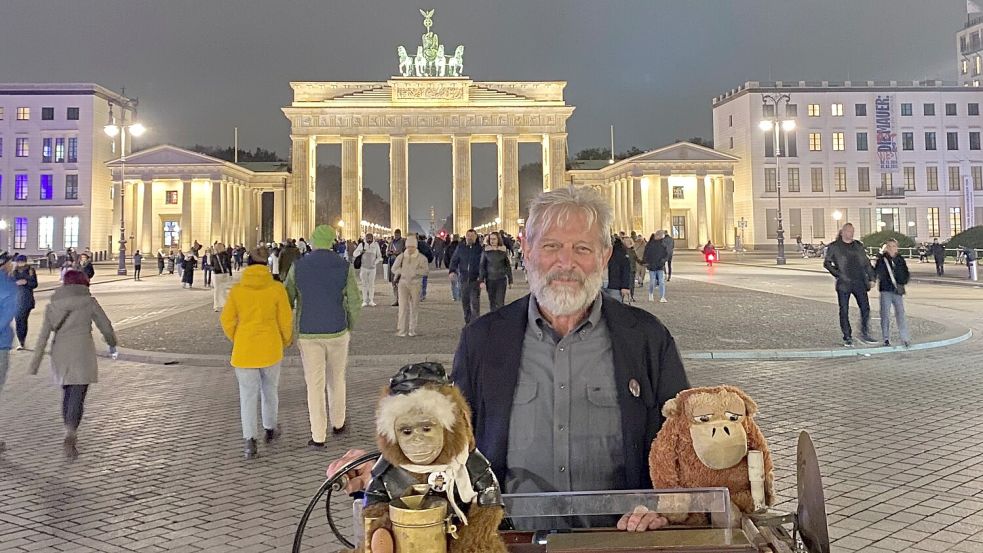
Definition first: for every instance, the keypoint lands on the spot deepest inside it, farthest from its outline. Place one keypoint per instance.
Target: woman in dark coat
(27, 280)
(619, 272)
(160, 262)
(495, 271)
(188, 276)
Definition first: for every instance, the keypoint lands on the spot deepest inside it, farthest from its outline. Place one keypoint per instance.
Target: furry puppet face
(420, 437)
(427, 426)
(716, 419)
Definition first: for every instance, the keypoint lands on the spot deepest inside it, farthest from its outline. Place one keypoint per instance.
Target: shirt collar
(539, 322)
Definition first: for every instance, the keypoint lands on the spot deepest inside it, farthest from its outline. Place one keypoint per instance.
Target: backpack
(358, 261)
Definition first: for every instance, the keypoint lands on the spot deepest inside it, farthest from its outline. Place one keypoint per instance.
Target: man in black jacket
(938, 253)
(846, 259)
(619, 272)
(465, 266)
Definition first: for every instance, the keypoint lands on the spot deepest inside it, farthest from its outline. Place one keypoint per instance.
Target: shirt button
(563, 468)
(563, 349)
(563, 386)
(563, 427)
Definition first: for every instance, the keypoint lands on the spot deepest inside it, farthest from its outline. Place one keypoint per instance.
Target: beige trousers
(409, 306)
(325, 360)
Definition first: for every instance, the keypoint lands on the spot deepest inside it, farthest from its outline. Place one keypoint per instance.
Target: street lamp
(114, 129)
(774, 125)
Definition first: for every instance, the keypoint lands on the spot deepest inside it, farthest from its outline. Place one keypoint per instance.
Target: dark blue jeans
(858, 291)
(73, 403)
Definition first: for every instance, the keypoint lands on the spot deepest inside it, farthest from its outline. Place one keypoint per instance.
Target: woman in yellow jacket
(258, 320)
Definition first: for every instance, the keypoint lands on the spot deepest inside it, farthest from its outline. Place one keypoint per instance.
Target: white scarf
(455, 475)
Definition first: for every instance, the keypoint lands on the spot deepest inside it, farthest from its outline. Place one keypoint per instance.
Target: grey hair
(554, 207)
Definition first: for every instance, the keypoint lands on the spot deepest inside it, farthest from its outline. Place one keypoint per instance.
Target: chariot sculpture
(431, 59)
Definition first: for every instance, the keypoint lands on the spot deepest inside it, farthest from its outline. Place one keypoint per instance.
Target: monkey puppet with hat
(423, 427)
(710, 439)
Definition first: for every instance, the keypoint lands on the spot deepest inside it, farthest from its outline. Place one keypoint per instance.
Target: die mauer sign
(887, 145)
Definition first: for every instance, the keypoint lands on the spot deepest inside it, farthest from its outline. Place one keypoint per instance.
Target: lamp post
(114, 129)
(774, 125)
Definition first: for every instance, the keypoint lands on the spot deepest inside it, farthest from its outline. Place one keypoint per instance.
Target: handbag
(898, 288)
(358, 261)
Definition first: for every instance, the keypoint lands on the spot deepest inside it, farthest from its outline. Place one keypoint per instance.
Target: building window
(791, 110)
(47, 187)
(23, 148)
(768, 111)
(1, 113)
(955, 221)
(815, 142)
(933, 222)
(932, 178)
(964, 66)
(769, 146)
(928, 109)
(679, 227)
(929, 140)
(838, 141)
(887, 180)
(730, 120)
(977, 173)
(791, 149)
(863, 179)
(817, 179)
(906, 110)
(813, 110)
(72, 114)
(793, 179)
(818, 222)
(172, 236)
(677, 193)
(771, 183)
(950, 109)
(20, 186)
(974, 140)
(771, 223)
(170, 197)
(59, 150)
(973, 108)
(839, 178)
(979, 65)
(911, 214)
(73, 150)
(23, 114)
(860, 110)
(72, 232)
(45, 150)
(1, 146)
(46, 232)
(836, 110)
(861, 142)
(954, 185)
(47, 114)
(952, 141)
(732, 143)
(71, 187)
(20, 233)
(907, 141)
(909, 179)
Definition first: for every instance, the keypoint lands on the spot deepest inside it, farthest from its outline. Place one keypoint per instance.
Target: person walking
(274, 262)
(656, 258)
(629, 244)
(409, 269)
(969, 255)
(160, 262)
(69, 317)
(846, 259)
(50, 260)
(938, 254)
(221, 263)
(206, 268)
(188, 273)
(426, 250)
(85, 265)
(495, 271)
(179, 263)
(892, 275)
(288, 254)
(323, 290)
(448, 255)
(396, 247)
(465, 268)
(170, 263)
(9, 298)
(368, 256)
(137, 264)
(258, 321)
(618, 285)
(26, 279)
(670, 248)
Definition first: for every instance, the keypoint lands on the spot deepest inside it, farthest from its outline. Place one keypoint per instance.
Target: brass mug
(420, 524)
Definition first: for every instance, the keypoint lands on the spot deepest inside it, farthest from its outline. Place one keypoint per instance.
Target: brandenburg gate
(429, 102)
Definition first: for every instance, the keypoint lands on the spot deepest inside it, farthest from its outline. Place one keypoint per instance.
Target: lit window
(979, 65)
(863, 179)
(955, 220)
(45, 150)
(47, 187)
(965, 67)
(20, 187)
(679, 227)
(172, 234)
(838, 141)
(59, 150)
(72, 232)
(71, 187)
(839, 178)
(817, 179)
(933, 222)
(836, 110)
(46, 232)
(170, 197)
(771, 182)
(47, 114)
(815, 142)
(909, 179)
(23, 148)
(932, 178)
(72, 114)
(793, 179)
(73, 150)
(20, 233)
(955, 184)
(677, 193)
(813, 110)
(23, 114)
(887, 180)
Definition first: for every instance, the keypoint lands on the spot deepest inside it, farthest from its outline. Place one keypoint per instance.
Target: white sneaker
(411, 334)
(651, 297)
(371, 304)
(364, 304)
(663, 300)
(401, 334)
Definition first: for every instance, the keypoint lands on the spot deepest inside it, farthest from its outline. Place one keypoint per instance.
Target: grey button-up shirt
(565, 430)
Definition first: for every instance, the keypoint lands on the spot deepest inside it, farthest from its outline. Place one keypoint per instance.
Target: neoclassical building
(171, 197)
(685, 188)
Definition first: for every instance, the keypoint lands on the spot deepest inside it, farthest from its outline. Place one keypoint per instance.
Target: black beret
(416, 375)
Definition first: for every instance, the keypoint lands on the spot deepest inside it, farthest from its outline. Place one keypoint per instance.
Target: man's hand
(358, 478)
(22, 282)
(452, 276)
(641, 519)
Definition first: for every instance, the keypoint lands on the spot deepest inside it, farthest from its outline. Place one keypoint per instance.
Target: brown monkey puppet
(704, 442)
(423, 427)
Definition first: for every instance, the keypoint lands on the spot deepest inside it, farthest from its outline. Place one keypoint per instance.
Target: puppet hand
(642, 519)
(358, 478)
(382, 541)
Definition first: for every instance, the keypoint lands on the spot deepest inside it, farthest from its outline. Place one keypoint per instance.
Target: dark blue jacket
(466, 261)
(619, 268)
(486, 369)
(8, 309)
(320, 278)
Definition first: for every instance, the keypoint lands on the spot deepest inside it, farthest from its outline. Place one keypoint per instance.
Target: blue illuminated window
(20, 233)
(46, 150)
(20, 187)
(47, 186)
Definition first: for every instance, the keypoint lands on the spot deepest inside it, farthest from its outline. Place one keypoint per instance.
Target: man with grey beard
(576, 405)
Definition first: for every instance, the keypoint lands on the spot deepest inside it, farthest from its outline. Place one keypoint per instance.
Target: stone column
(243, 216)
(351, 184)
(719, 227)
(461, 154)
(186, 239)
(649, 217)
(635, 201)
(147, 235)
(728, 207)
(216, 223)
(554, 160)
(298, 193)
(278, 220)
(508, 183)
(665, 207)
(615, 204)
(702, 225)
(399, 196)
(223, 231)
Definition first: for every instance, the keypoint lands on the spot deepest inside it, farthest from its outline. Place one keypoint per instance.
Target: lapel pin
(634, 388)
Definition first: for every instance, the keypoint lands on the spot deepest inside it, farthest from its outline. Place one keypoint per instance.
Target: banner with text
(887, 145)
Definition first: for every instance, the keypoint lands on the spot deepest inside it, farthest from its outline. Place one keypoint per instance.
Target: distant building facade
(969, 51)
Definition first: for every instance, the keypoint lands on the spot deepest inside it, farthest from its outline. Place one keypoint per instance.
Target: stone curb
(162, 358)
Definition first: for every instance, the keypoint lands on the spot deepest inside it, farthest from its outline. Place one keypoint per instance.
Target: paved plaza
(161, 466)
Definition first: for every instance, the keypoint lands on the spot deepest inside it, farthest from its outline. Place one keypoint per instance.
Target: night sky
(202, 67)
